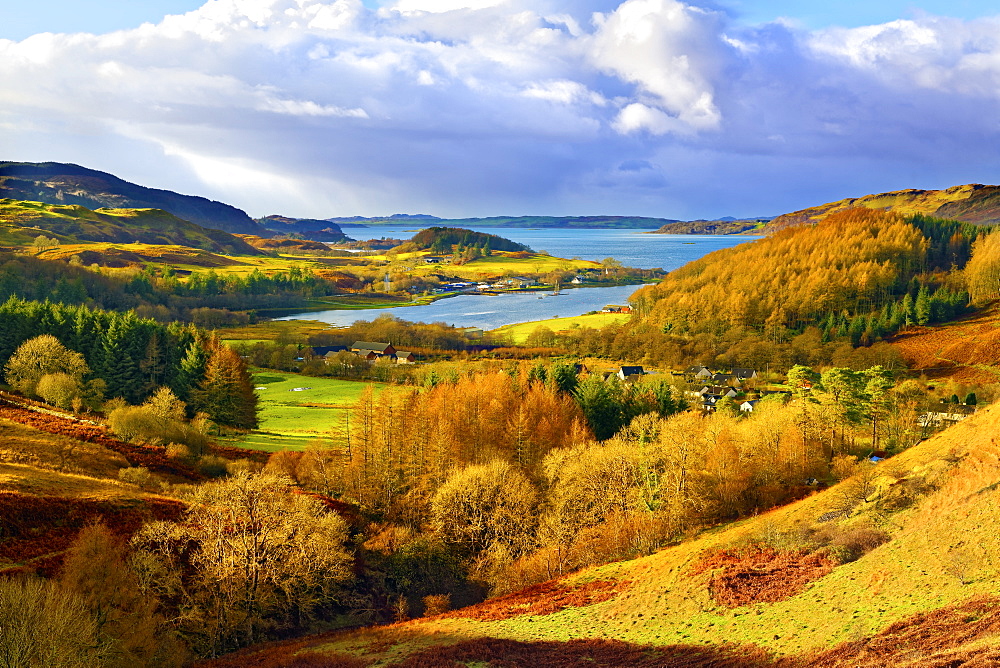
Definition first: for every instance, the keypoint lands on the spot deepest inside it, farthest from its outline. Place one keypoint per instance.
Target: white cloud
(478, 107)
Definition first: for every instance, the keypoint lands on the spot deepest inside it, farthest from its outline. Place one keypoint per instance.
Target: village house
(748, 406)
(616, 308)
(725, 379)
(432, 259)
(699, 372)
(380, 348)
(626, 371)
(405, 357)
(326, 351)
(577, 280)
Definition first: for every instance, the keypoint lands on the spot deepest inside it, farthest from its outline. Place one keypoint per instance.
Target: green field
(519, 333)
(296, 410)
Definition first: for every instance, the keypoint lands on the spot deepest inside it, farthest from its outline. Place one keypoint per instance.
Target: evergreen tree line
(135, 356)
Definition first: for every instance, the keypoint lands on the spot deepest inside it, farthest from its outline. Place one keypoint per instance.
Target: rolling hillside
(973, 203)
(21, 222)
(895, 566)
(67, 184)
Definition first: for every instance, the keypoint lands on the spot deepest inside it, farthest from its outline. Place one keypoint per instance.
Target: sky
(321, 108)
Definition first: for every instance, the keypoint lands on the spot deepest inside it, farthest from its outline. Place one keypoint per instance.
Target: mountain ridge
(68, 184)
(23, 220)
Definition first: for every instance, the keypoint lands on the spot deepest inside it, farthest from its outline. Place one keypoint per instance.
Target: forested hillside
(805, 294)
(443, 239)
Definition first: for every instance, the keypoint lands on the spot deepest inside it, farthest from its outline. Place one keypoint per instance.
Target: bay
(632, 248)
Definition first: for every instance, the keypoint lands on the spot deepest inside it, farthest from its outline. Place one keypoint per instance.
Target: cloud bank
(483, 107)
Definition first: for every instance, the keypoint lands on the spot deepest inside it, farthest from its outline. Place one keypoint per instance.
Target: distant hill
(307, 228)
(61, 183)
(441, 240)
(584, 222)
(973, 203)
(721, 226)
(21, 222)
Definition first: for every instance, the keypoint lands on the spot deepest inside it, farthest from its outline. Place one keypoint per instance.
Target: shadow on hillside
(584, 654)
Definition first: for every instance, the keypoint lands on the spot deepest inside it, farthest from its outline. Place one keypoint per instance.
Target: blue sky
(486, 107)
(19, 19)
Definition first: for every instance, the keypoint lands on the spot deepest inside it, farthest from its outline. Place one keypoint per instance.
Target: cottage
(326, 351)
(748, 406)
(431, 259)
(616, 308)
(627, 371)
(725, 379)
(405, 357)
(700, 372)
(577, 280)
(745, 374)
(379, 349)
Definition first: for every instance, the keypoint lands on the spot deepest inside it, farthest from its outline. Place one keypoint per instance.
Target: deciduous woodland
(475, 474)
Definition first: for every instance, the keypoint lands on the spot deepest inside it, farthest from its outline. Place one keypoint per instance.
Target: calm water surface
(630, 247)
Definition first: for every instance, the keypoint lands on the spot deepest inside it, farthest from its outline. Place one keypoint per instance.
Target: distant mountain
(307, 228)
(21, 222)
(61, 183)
(973, 203)
(584, 222)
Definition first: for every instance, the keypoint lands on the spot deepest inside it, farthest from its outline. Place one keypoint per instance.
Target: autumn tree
(43, 624)
(128, 631)
(258, 557)
(39, 357)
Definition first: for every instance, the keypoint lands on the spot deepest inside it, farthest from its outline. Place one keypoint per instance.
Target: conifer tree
(227, 392)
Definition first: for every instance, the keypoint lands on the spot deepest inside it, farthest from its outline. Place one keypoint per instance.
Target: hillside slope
(972, 203)
(21, 222)
(61, 183)
(894, 566)
(307, 228)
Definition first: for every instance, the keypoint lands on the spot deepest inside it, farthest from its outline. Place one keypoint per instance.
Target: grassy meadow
(296, 410)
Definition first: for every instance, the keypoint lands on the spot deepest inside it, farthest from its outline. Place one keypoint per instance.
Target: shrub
(135, 475)
(436, 604)
(178, 451)
(212, 466)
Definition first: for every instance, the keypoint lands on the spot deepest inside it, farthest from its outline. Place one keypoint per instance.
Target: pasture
(296, 410)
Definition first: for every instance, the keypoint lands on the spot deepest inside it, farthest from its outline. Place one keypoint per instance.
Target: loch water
(633, 248)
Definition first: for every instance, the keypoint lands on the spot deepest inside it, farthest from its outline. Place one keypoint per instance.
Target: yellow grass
(518, 333)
